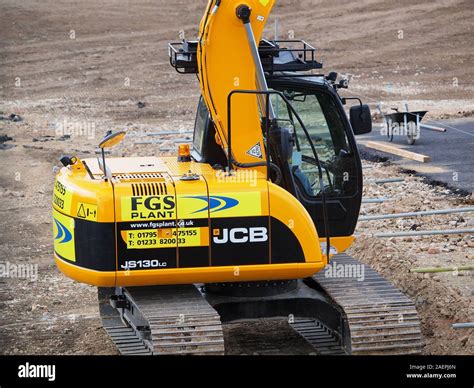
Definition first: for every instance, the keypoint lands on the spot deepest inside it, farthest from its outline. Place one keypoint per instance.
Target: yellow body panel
(141, 184)
(284, 207)
(63, 230)
(75, 193)
(187, 275)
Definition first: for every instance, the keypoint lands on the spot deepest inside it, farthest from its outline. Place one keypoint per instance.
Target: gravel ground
(442, 298)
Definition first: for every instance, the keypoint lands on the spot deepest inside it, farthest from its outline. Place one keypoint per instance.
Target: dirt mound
(438, 304)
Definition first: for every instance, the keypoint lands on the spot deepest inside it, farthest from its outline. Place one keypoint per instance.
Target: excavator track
(163, 320)
(319, 336)
(128, 343)
(337, 315)
(381, 319)
(125, 338)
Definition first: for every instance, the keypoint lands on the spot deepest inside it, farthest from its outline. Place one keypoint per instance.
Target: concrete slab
(451, 152)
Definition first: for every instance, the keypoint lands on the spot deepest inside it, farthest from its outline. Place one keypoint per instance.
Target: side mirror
(332, 76)
(361, 120)
(112, 139)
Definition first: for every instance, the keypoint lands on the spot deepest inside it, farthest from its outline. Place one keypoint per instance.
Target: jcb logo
(240, 235)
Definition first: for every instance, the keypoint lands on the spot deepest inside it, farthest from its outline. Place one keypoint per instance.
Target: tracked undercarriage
(337, 316)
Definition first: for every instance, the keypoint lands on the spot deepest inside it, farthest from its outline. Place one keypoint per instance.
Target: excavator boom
(226, 59)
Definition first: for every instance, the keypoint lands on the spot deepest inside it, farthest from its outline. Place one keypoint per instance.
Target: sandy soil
(73, 70)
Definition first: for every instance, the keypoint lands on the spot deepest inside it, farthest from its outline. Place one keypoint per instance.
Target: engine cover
(159, 221)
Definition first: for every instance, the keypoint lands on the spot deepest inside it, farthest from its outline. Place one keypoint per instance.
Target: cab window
(200, 125)
(326, 134)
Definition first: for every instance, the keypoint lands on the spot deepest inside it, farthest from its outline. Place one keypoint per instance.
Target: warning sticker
(256, 151)
(161, 238)
(87, 211)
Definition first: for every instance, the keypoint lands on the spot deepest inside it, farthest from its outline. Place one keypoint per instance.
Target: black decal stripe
(95, 246)
(285, 247)
(194, 222)
(190, 257)
(94, 243)
(236, 254)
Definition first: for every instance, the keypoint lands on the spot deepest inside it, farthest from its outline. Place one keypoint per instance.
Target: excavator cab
(296, 153)
(328, 144)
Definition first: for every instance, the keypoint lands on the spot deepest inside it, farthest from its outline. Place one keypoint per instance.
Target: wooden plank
(384, 147)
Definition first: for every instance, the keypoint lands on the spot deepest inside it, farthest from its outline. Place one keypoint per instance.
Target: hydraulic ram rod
(243, 13)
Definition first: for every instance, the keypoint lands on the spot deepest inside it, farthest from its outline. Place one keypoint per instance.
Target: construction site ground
(72, 70)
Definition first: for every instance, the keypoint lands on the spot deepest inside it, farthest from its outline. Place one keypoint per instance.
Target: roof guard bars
(274, 58)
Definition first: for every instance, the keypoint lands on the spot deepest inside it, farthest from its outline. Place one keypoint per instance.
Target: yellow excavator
(250, 223)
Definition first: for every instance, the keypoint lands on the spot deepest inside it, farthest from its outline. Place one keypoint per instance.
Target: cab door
(329, 132)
